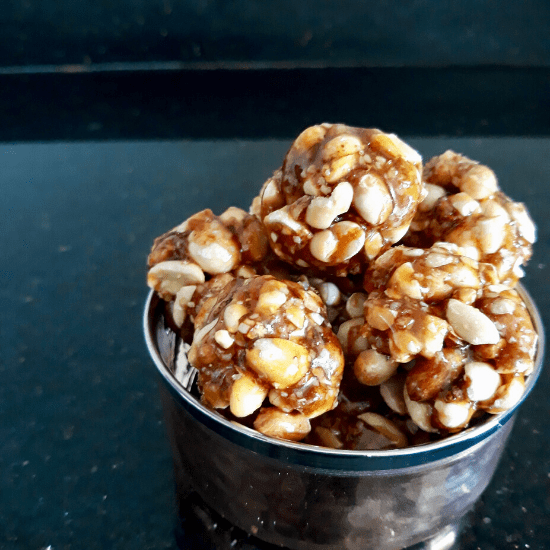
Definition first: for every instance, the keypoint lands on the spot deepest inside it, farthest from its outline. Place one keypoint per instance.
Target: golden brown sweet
(357, 305)
(465, 206)
(261, 338)
(341, 197)
(471, 340)
(205, 244)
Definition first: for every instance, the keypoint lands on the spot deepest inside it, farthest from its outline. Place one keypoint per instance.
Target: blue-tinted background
(383, 33)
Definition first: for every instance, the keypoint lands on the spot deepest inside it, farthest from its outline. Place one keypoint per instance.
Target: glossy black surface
(224, 104)
(84, 460)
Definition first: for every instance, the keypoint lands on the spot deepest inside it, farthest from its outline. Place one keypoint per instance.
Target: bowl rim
(307, 455)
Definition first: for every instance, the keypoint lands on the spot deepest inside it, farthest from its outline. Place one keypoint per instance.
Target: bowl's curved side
(308, 507)
(159, 342)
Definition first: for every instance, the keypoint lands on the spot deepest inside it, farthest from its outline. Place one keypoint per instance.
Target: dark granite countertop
(84, 458)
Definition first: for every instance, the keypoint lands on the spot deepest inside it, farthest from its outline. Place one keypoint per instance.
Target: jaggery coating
(342, 196)
(408, 292)
(273, 334)
(472, 341)
(514, 353)
(465, 206)
(202, 245)
(307, 323)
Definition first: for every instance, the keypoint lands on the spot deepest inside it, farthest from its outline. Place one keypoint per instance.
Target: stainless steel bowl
(306, 497)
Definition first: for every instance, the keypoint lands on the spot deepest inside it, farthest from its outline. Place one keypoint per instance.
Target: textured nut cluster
(261, 338)
(341, 197)
(471, 340)
(357, 305)
(205, 244)
(438, 342)
(465, 206)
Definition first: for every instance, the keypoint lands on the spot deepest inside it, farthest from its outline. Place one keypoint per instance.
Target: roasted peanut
(372, 368)
(281, 362)
(181, 301)
(507, 395)
(247, 395)
(453, 415)
(386, 428)
(281, 425)
(471, 324)
(420, 412)
(350, 337)
(330, 294)
(483, 381)
(328, 438)
(169, 277)
(233, 314)
(355, 304)
(322, 211)
(214, 249)
(372, 199)
(392, 393)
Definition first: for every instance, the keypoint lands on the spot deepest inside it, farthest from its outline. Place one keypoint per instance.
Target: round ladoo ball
(342, 196)
(465, 206)
(261, 339)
